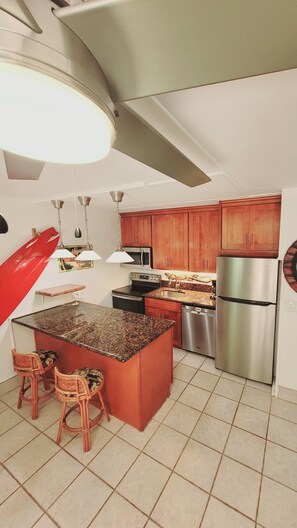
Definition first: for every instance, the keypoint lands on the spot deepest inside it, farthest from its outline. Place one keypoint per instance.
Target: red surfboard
(21, 270)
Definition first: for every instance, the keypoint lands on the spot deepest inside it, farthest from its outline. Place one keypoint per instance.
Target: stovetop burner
(141, 283)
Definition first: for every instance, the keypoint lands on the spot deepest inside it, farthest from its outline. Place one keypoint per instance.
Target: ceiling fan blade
(140, 141)
(148, 47)
(19, 10)
(20, 168)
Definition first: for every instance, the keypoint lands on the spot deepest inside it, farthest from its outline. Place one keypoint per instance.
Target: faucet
(177, 283)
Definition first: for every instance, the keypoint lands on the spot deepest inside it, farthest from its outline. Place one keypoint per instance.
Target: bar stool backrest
(71, 387)
(28, 362)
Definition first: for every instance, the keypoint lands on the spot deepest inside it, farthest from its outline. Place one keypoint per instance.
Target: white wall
(99, 281)
(286, 370)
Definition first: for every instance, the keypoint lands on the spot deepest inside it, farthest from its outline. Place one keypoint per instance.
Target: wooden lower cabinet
(166, 310)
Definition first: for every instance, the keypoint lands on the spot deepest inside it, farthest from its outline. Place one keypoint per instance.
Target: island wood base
(134, 390)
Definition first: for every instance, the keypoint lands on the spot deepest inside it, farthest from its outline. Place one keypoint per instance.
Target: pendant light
(77, 230)
(61, 252)
(119, 255)
(3, 225)
(87, 254)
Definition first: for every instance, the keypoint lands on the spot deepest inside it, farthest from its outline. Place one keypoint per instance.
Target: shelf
(60, 290)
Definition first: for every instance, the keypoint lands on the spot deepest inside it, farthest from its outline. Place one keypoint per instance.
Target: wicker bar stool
(79, 388)
(34, 366)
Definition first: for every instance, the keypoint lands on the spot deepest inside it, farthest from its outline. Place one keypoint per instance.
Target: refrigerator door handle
(245, 301)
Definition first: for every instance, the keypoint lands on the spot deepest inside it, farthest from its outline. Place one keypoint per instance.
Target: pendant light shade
(61, 252)
(119, 256)
(87, 254)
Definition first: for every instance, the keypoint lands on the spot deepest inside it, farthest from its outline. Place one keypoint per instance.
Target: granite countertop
(108, 331)
(195, 298)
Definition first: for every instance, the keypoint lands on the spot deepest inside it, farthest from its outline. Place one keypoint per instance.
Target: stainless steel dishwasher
(199, 330)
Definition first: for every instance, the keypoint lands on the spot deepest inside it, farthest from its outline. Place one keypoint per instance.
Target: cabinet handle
(247, 240)
(252, 239)
(206, 264)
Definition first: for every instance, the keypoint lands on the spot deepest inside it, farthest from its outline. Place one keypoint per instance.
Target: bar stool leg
(101, 399)
(34, 396)
(64, 405)
(46, 383)
(21, 392)
(86, 437)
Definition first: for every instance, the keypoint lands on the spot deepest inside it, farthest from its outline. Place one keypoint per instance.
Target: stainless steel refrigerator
(246, 314)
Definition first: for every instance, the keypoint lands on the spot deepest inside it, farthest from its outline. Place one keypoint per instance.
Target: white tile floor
(220, 453)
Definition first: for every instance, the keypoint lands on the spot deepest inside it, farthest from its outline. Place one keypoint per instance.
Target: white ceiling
(241, 133)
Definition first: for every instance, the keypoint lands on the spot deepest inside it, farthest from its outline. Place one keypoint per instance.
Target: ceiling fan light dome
(46, 119)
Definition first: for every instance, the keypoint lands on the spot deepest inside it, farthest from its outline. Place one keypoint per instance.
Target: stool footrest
(92, 422)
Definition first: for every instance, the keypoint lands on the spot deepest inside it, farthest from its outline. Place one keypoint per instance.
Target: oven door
(129, 303)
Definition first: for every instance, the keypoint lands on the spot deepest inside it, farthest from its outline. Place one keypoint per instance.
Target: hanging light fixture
(53, 94)
(61, 252)
(77, 230)
(3, 225)
(119, 255)
(87, 254)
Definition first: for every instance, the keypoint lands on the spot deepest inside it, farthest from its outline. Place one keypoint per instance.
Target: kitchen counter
(133, 351)
(107, 331)
(195, 298)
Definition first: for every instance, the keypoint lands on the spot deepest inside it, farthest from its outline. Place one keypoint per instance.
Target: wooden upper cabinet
(204, 238)
(136, 230)
(170, 239)
(251, 227)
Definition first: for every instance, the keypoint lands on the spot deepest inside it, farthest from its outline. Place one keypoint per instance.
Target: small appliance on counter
(130, 297)
(213, 289)
(246, 311)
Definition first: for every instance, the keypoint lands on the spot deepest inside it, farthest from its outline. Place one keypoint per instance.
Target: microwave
(142, 257)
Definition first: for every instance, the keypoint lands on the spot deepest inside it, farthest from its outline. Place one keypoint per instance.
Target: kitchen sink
(171, 293)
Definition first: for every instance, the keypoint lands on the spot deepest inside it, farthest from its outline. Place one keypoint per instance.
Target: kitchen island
(133, 351)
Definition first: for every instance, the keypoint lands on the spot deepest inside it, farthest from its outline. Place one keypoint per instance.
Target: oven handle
(127, 297)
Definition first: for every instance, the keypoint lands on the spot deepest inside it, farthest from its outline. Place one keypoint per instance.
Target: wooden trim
(276, 198)
(248, 253)
(252, 201)
(173, 210)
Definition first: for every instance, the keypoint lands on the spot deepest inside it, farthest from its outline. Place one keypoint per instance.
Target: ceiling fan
(114, 51)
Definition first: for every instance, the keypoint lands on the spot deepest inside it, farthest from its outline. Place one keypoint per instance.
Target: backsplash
(190, 286)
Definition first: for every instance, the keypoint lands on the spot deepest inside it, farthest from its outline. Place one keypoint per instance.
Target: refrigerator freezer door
(252, 279)
(245, 339)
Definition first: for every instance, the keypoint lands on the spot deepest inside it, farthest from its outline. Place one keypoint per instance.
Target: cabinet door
(265, 225)
(197, 241)
(235, 227)
(214, 239)
(170, 241)
(136, 230)
(204, 240)
(166, 310)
